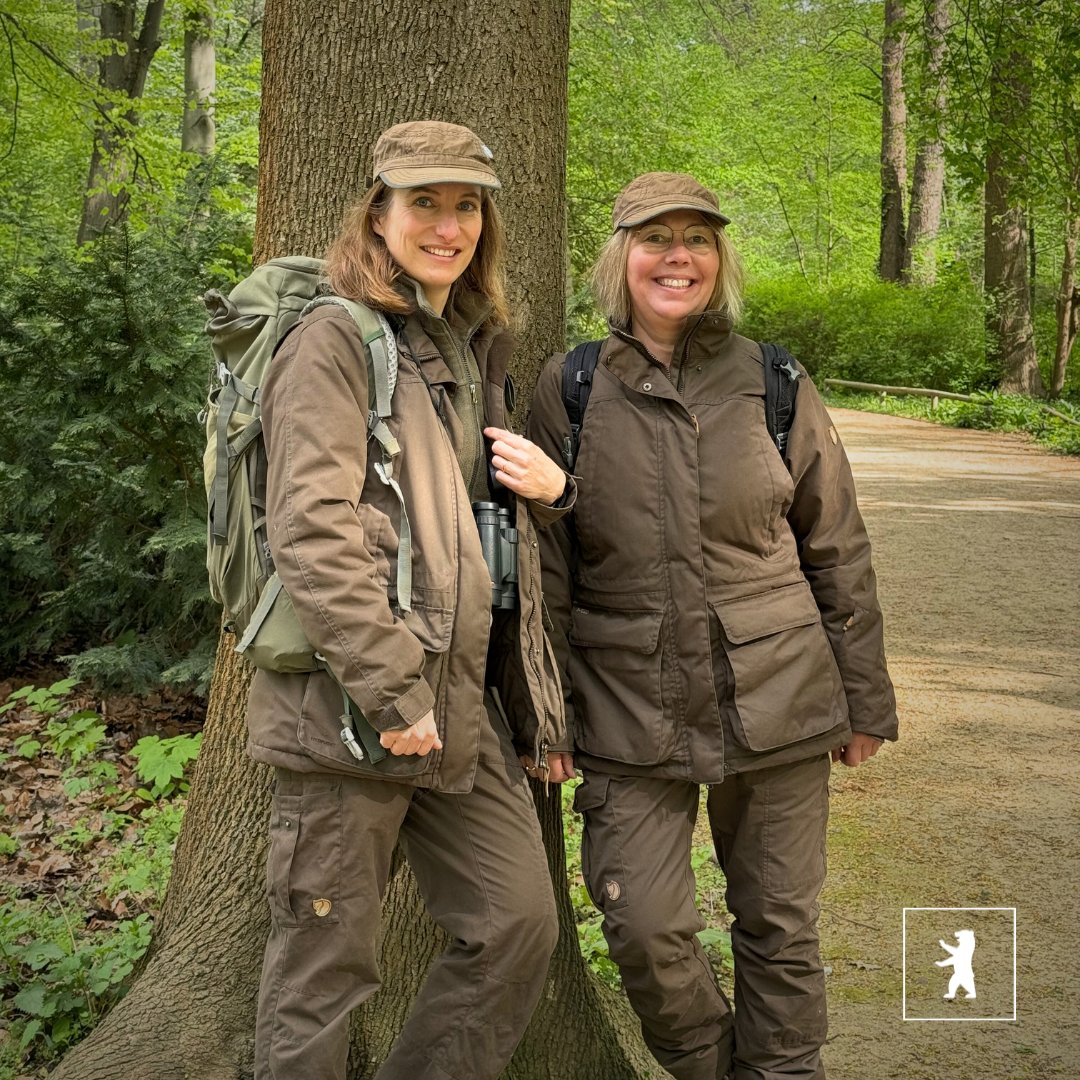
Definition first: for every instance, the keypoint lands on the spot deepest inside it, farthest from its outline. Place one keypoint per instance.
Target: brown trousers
(768, 828)
(480, 864)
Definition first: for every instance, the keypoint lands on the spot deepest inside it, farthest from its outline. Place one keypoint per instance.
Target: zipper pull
(697, 426)
(542, 764)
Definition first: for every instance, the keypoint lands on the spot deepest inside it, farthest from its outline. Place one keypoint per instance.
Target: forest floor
(976, 543)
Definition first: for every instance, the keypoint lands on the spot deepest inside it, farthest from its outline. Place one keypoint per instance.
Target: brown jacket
(333, 535)
(714, 610)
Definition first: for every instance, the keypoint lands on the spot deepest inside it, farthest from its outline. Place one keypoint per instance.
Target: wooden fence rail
(918, 391)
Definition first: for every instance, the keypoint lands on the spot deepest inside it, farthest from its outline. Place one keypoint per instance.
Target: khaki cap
(655, 193)
(431, 152)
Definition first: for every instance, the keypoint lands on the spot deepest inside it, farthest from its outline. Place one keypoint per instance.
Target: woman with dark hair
(716, 622)
(454, 690)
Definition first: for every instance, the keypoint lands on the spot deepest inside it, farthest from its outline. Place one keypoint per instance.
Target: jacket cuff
(544, 514)
(412, 706)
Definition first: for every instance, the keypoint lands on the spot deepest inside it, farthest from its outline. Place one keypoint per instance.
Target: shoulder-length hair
(360, 267)
(608, 278)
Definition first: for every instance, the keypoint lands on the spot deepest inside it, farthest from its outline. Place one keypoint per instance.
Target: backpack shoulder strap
(577, 375)
(781, 385)
(380, 346)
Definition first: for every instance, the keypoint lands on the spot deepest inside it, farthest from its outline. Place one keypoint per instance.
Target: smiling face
(667, 286)
(431, 233)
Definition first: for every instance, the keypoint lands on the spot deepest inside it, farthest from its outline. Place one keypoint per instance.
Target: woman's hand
(861, 748)
(560, 767)
(419, 738)
(524, 468)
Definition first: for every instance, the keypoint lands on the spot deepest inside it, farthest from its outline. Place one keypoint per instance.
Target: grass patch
(990, 411)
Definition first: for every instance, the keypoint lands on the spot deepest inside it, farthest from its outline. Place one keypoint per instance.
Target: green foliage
(103, 368)
(59, 969)
(991, 411)
(43, 700)
(161, 763)
(60, 978)
(772, 105)
(75, 736)
(875, 331)
(51, 94)
(141, 867)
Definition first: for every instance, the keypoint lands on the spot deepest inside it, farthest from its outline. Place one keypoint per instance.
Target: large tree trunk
(893, 144)
(122, 76)
(1005, 233)
(328, 91)
(199, 80)
(1067, 306)
(928, 183)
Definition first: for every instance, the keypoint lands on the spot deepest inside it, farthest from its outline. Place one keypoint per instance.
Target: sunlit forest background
(902, 183)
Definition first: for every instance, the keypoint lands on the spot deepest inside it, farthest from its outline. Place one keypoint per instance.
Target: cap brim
(420, 175)
(650, 212)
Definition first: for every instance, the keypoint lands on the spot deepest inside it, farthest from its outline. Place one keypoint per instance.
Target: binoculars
(499, 541)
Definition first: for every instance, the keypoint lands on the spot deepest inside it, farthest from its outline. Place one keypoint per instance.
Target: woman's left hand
(524, 468)
(560, 767)
(861, 748)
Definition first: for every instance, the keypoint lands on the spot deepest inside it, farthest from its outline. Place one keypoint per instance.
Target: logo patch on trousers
(613, 889)
(321, 907)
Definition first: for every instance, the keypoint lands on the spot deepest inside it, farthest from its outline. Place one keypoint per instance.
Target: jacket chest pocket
(787, 685)
(616, 668)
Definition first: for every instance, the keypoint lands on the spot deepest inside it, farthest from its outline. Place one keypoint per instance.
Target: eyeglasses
(659, 238)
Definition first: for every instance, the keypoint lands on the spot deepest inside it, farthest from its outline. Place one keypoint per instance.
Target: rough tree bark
(893, 144)
(1005, 235)
(199, 79)
(928, 182)
(121, 76)
(336, 74)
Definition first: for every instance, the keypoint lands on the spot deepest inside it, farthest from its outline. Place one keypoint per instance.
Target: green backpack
(245, 329)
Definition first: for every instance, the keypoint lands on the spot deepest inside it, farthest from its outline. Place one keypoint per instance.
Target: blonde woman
(716, 623)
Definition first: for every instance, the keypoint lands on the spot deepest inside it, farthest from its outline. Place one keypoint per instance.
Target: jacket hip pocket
(787, 684)
(616, 672)
(303, 867)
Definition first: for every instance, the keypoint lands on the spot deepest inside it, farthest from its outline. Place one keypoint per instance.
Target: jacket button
(646, 386)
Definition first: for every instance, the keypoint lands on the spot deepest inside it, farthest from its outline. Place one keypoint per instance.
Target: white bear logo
(960, 961)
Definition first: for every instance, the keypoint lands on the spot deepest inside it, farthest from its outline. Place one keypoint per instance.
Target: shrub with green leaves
(103, 370)
(875, 331)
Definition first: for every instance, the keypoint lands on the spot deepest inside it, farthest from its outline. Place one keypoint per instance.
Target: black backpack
(781, 385)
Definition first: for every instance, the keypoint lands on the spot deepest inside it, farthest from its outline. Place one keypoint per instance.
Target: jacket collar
(700, 337)
(430, 337)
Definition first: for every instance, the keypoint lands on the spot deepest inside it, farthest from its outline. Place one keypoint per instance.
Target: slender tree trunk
(928, 182)
(1005, 233)
(199, 80)
(893, 144)
(122, 74)
(329, 88)
(1067, 306)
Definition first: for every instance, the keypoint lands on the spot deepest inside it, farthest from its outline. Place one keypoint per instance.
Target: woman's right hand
(419, 738)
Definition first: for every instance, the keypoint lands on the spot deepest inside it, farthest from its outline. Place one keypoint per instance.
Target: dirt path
(977, 548)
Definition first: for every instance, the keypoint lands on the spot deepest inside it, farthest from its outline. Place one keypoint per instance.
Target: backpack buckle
(223, 373)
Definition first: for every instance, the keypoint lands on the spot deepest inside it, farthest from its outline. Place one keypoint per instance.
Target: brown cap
(655, 193)
(431, 152)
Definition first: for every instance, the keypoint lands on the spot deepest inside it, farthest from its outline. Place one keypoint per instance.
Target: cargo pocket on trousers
(617, 676)
(787, 685)
(601, 856)
(303, 869)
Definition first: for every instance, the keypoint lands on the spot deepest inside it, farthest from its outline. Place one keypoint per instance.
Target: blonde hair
(359, 265)
(608, 278)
